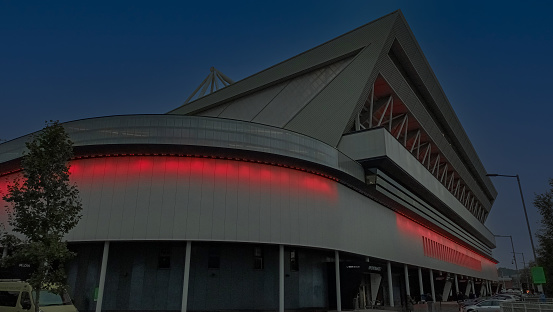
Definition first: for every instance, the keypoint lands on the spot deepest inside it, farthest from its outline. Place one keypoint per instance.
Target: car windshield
(50, 299)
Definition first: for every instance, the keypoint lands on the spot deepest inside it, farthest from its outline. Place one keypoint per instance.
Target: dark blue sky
(66, 60)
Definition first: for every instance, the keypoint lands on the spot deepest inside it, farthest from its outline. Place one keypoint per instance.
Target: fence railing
(527, 306)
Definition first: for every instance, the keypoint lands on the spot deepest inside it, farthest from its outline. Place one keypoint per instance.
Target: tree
(544, 204)
(44, 206)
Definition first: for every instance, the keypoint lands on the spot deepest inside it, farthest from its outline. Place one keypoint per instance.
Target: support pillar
(390, 287)
(103, 270)
(447, 290)
(482, 289)
(184, 302)
(5, 252)
(420, 282)
(407, 288)
(467, 291)
(338, 289)
(433, 292)
(457, 291)
(281, 278)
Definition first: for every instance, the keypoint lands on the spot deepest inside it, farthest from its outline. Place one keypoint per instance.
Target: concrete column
(467, 291)
(337, 269)
(420, 282)
(281, 278)
(407, 287)
(103, 270)
(5, 252)
(390, 287)
(433, 292)
(184, 302)
(456, 285)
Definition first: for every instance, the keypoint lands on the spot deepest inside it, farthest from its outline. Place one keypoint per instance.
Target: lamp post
(523, 206)
(523, 268)
(514, 258)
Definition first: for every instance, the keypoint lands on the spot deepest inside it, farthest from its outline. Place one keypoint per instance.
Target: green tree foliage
(43, 207)
(544, 203)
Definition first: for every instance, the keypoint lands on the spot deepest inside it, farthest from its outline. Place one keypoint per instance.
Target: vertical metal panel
(194, 207)
(244, 220)
(145, 178)
(219, 197)
(155, 205)
(96, 185)
(169, 193)
(182, 208)
(106, 201)
(118, 201)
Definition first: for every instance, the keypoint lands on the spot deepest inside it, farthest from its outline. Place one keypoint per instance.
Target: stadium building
(340, 178)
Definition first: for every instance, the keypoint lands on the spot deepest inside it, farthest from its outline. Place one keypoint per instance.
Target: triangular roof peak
(346, 45)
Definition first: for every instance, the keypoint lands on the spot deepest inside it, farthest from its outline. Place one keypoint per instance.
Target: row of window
(214, 259)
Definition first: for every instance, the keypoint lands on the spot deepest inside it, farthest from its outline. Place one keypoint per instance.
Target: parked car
(506, 297)
(487, 305)
(18, 296)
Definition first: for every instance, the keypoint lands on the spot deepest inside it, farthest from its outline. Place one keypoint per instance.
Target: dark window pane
(294, 266)
(164, 259)
(8, 298)
(214, 259)
(258, 258)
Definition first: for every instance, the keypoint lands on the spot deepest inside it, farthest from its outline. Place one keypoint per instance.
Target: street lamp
(523, 206)
(523, 268)
(514, 257)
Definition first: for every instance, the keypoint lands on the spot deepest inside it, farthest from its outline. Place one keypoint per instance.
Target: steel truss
(385, 109)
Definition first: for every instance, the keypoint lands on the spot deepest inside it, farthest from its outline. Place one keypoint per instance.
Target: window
(8, 298)
(164, 259)
(214, 259)
(25, 300)
(258, 258)
(294, 266)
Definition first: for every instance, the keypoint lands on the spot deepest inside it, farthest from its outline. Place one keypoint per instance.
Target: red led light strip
(442, 252)
(444, 237)
(194, 156)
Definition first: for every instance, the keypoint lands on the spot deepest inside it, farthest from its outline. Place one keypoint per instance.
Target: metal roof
(318, 93)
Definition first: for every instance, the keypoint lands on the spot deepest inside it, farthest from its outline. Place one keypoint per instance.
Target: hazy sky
(77, 59)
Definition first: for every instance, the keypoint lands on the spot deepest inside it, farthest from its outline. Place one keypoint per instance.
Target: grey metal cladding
(297, 93)
(441, 105)
(214, 112)
(246, 108)
(329, 113)
(327, 52)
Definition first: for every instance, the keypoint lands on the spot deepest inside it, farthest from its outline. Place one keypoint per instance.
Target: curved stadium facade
(340, 178)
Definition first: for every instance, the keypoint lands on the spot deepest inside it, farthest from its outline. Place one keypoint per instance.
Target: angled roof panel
(297, 93)
(247, 107)
(346, 45)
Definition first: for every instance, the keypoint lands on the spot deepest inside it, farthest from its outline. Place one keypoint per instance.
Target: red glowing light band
(196, 156)
(410, 227)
